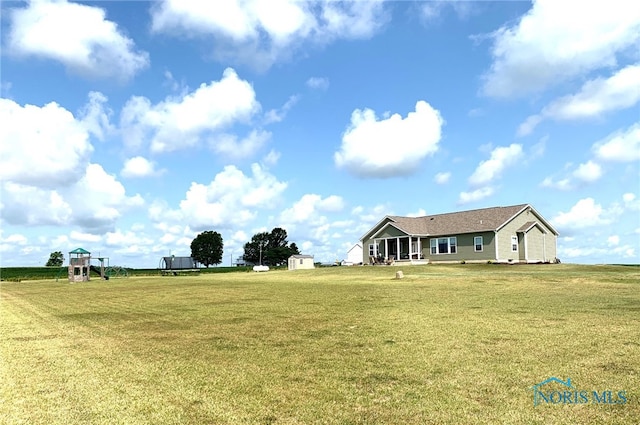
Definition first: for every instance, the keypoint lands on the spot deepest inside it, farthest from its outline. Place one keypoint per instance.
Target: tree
(269, 248)
(255, 249)
(207, 248)
(56, 259)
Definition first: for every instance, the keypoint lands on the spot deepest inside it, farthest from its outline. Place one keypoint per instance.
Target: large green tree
(207, 248)
(270, 248)
(56, 259)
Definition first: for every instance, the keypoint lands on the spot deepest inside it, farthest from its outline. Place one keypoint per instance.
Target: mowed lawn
(455, 344)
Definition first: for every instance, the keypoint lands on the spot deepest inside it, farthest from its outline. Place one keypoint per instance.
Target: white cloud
(230, 201)
(491, 169)
(557, 40)
(595, 98)
(271, 158)
(96, 117)
(309, 208)
(631, 203)
(182, 122)
(318, 83)
(433, 10)
(442, 178)
(79, 36)
(138, 167)
(613, 240)
(84, 237)
(41, 146)
(563, 184)
(94, 202)
(475, 195)
(622, 146)
(263, 32)
(420, 213)
(10, 243)
(588, 172)
(392, 146)
(585, 213)
(277, 115)
(230, 146)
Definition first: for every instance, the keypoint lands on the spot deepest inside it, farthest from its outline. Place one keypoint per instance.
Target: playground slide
(97, 271)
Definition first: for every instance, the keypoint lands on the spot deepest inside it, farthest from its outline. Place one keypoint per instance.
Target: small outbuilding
(298, 262)
(354, 255)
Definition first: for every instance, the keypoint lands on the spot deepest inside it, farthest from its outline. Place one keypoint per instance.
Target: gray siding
(539, 246)
(465, 250)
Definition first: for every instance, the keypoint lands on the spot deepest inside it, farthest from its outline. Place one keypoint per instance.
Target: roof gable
(479, 220)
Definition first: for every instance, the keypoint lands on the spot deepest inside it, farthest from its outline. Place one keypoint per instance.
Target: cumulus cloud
(310, 207)
(95, 116)
(595, 98)
(475, 195)
(263, 32)
(391, 146)
(94, 202)
(588, 172)
(42, 146)
(549, 44)
(230, 201)
(182, 122)
(442, 178)
(585, 213)
(622, 146)
(233, 147)
(501, 158)
(78, 36)
(139, 166)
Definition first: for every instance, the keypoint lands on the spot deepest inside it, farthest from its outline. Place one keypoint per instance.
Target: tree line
(265, 248)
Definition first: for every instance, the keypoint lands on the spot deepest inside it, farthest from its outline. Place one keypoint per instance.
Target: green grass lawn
(458, 344)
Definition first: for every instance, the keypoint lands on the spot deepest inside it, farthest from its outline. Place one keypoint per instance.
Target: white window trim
(475, 245)
(514, 237)
(437, 245)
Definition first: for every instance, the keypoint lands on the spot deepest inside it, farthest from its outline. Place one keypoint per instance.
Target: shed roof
(301, 256)
(79, 251)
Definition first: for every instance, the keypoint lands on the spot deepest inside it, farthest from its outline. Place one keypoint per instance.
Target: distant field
(448, 344)
(18, 274)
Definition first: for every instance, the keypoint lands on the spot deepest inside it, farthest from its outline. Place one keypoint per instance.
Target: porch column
(398, 249)
(410, 253)
(386, 248)
(419, 248)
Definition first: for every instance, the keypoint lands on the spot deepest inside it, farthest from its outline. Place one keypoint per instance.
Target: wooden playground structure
(80, 267)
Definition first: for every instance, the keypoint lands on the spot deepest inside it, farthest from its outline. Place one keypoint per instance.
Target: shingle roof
(480, 220)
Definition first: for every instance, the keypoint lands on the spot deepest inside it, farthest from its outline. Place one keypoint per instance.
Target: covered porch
(393, 249)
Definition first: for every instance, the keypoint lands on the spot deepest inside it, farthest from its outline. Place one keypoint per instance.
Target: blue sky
(127, 128)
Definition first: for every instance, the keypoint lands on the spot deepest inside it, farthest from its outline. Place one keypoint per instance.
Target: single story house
(511, 234)
(354, 255)
(298, 262)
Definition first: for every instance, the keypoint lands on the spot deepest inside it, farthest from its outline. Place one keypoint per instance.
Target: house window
(477, 242)
(444, 245)
(372, 250)
(514, 243)
(301, 261)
